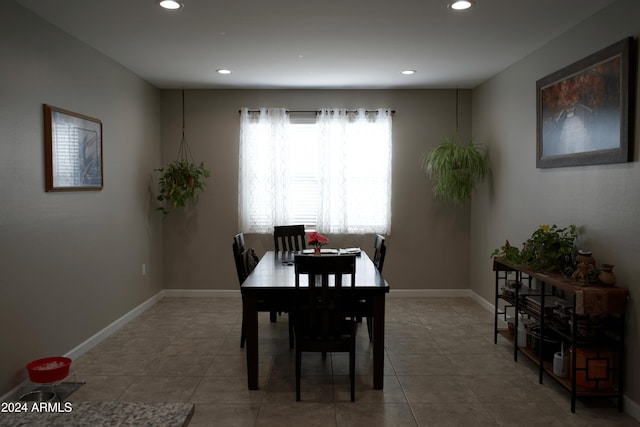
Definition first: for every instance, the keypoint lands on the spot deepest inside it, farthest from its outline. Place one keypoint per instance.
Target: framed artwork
(583, 111)
(73, 151)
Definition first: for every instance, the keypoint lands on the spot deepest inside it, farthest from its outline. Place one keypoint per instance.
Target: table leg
(250, 322)
(378, 341)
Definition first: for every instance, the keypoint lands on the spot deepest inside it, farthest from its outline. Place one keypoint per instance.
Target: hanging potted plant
(456, 167)
(181, 179)
(179, 182)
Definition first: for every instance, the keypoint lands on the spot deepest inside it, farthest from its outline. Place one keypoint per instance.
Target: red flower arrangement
(316, 239)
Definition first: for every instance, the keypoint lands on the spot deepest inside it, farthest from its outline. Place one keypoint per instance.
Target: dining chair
(246, 260)
(289, 238)
(379, 254)
(238, 249)
(380, 250)
(320, 323)
(362, 308)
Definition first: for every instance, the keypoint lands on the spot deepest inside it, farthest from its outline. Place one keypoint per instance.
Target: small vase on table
(606, 275)
(316, 240)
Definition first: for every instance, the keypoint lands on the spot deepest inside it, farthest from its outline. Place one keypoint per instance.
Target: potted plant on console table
(550, 249)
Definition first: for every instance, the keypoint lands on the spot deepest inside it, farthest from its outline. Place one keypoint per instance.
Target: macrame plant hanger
(184, 152)
(457, 109)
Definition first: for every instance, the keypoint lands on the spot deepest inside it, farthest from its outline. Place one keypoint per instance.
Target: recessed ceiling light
(170, 4)
(461, 4)
(408, 72)
(223, 71)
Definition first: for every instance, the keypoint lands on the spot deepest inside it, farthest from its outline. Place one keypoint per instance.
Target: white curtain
(356, 174)
(262, 186)
(348, 157)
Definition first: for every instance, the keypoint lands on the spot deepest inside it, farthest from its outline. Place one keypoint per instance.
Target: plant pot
(316, 250)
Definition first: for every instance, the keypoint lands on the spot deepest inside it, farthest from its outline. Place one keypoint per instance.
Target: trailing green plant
(550, 249)
(456, 168)
(179, 182)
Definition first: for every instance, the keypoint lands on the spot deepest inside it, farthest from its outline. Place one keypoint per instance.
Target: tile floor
(441, 369)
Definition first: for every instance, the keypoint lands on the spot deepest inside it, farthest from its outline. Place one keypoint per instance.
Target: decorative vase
(316, 250)
(586, 257)
(606, 275)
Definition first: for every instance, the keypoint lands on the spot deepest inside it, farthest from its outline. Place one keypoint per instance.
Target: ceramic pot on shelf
(586, 257)
(606, 275)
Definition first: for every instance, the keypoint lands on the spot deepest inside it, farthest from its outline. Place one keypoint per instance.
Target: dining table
(273, 281)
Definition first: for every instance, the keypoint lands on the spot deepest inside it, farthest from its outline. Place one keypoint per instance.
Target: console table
(588, 320)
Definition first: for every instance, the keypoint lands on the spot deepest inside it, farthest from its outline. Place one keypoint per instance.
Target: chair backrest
(289, 238)
(238, 239)
(245, 258)
(380, 252)
(324, 306)
(238, 248)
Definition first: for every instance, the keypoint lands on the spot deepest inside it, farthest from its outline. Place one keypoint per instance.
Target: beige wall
(603, 201)
(70, 262)
(428, 245)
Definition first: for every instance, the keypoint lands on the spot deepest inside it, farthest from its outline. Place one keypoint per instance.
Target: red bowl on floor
(49, 369)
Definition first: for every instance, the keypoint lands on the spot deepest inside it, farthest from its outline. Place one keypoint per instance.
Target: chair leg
(370, 328)
(298, 373)
(242, 337)
(273, 316)
(291, 339)
(352, 372)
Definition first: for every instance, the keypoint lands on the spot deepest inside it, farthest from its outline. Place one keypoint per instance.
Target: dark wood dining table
(273, 280)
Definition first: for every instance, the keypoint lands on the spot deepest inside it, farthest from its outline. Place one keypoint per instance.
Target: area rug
(91, 414)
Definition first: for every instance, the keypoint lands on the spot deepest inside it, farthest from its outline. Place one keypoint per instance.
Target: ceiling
(353, 44)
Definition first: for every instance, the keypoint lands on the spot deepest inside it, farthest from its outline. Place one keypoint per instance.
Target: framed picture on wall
(583, 111)
(73, 150)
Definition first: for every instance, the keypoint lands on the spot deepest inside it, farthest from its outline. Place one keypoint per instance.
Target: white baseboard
(431, 293)
(399, 293)
(94, 340)
(631, 408)
(483, 302)
(198, 293)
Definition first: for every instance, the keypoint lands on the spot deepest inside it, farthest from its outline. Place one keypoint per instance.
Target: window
(329, 170)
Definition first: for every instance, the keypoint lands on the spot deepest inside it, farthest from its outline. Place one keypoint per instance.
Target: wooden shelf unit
(606, 304)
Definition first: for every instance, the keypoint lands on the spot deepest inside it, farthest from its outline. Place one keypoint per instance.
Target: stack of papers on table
(354, 251)
(323, 251)
(344, 251)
